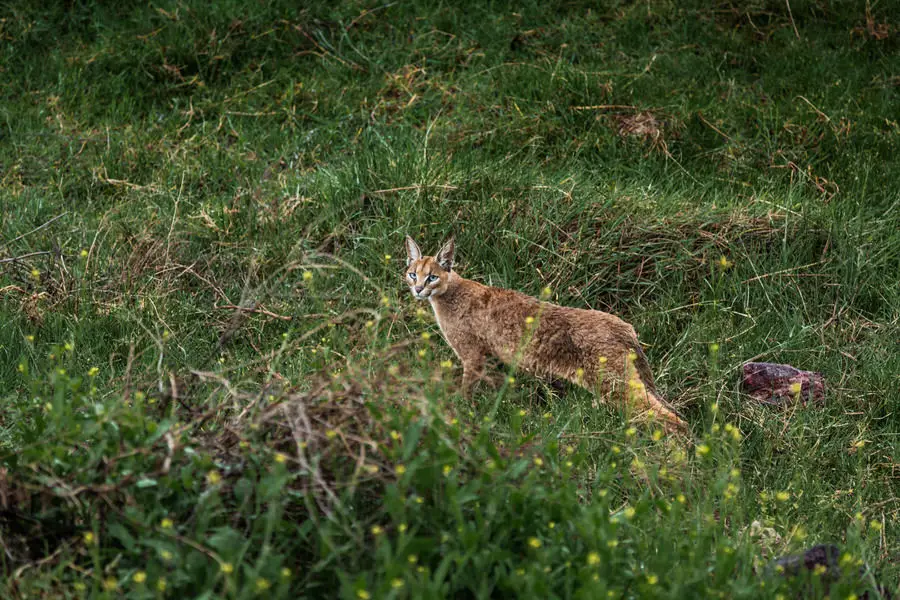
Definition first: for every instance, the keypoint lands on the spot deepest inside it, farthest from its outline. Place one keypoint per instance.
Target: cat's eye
(432, 278)
(412, 276)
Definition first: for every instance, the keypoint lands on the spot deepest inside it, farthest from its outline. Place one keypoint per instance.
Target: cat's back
(587, 320)
(501, 315)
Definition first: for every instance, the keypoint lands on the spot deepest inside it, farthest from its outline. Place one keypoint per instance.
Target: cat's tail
(646, 397)
(672, 421)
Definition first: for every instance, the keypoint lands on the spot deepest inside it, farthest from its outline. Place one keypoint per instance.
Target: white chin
(421, 296)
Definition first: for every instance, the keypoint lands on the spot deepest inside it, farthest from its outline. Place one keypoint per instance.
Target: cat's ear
(412, 251)
(445, 255)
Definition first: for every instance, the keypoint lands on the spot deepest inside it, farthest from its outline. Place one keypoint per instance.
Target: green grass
(194, 158)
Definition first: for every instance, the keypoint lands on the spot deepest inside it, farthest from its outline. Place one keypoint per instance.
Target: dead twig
(251, 309)
(23, 256)
(791, 15)
(783, 271)
(713, 127)
(606, 107)
(35, 230)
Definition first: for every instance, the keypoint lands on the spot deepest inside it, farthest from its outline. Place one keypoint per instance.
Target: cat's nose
(419, 288)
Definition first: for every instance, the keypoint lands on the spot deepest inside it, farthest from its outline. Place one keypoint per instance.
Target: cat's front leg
(473, 361)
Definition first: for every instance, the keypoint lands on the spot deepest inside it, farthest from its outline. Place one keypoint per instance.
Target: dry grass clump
(645, 126)
(337, 428)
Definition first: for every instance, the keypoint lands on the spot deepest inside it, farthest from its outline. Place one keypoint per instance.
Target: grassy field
(215, 384)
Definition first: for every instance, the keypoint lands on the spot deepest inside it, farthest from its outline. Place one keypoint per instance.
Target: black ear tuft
(445, 255)
(412, 251)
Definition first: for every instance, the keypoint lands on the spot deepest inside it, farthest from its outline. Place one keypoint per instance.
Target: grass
(214, 381)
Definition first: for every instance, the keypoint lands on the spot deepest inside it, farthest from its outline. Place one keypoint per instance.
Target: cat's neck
(456, 285)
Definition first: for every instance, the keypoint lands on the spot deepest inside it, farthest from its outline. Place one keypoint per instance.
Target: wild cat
(587, 347)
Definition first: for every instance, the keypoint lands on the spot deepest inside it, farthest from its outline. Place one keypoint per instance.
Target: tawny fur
(480, 321)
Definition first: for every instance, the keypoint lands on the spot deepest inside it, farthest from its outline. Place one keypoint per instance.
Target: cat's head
(428, 276)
